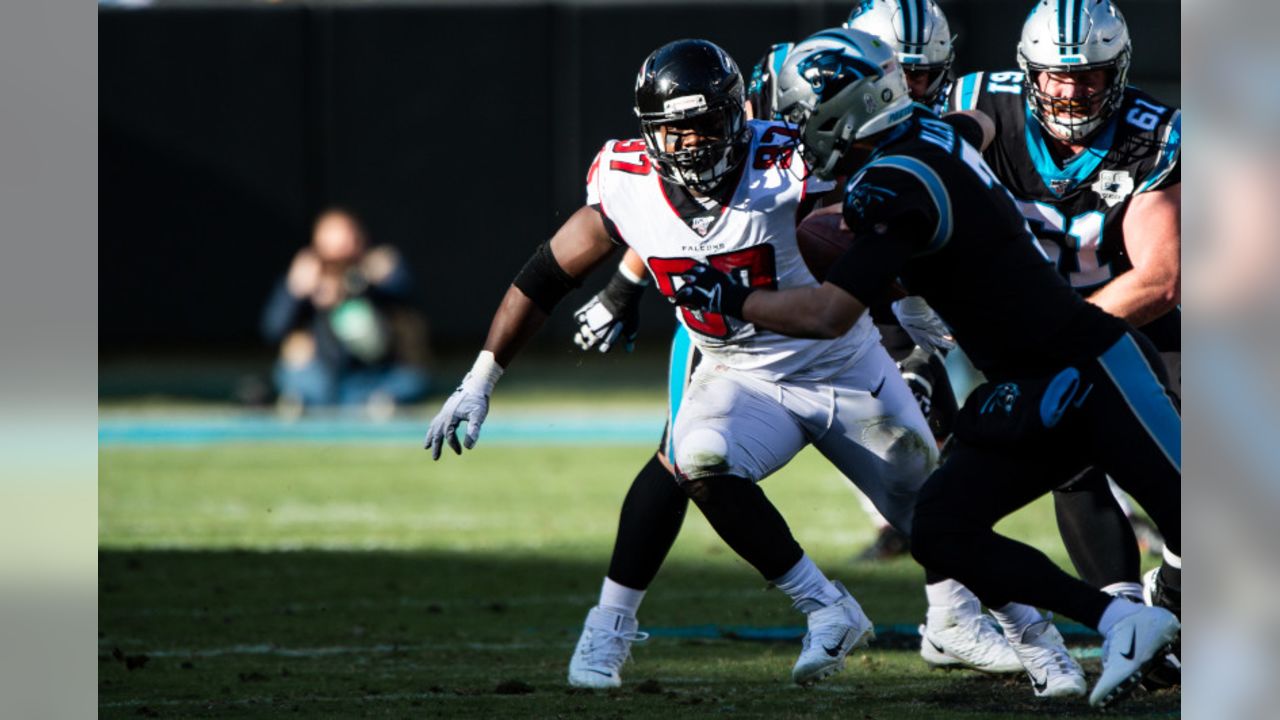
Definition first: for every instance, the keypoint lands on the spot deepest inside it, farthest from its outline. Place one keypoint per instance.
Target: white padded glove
(470, 402)
(923, 324)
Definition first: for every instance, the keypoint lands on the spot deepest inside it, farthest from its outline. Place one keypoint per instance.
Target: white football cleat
(973, 640)
(1134, 645)
(605, 644)
(1043, 652)
(834, 631)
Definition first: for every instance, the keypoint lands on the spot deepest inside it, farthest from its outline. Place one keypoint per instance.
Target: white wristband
(625, 272)
(484, 374)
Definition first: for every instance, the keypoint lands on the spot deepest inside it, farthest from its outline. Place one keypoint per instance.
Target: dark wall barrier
(461, 135)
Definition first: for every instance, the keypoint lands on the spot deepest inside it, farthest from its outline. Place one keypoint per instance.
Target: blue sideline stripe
(936, 189)
(1138, 384)
(549, 429)
(788, 633)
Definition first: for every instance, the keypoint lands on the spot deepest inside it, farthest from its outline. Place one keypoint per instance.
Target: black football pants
(1129, 426)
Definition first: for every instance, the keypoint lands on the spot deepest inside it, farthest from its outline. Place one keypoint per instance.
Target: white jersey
(753, 239)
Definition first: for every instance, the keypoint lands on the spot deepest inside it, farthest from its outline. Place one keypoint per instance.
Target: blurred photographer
(343, 319)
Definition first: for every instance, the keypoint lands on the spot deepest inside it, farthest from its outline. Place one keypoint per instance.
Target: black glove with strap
(710, 290)
(611, 315)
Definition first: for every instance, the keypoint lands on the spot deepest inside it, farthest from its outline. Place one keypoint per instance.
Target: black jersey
(927, 209)
(1077, 208)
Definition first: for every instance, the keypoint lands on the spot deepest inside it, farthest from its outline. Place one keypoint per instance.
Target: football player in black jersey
(956, 633)
(1095, 165)
(1069, 385)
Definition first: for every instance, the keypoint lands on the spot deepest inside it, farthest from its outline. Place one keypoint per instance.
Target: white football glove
(612, 314)
(923, 324)
(469, 402)
(598, 327)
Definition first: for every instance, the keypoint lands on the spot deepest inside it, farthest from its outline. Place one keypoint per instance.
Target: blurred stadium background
(251, 566)
(459, 131)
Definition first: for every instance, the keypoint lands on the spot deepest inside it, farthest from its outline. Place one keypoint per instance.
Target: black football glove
(611, 315)
(710, 290)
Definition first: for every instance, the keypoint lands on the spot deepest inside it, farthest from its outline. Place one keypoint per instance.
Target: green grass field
(365, 581)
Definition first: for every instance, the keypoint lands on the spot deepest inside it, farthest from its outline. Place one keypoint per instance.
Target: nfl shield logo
(702, 225)
(1113, 186)
(1061, 186)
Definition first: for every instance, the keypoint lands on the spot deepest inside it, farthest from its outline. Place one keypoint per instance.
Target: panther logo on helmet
(830, 71)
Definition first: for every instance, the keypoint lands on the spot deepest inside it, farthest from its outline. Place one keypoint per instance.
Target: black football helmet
(693, 85)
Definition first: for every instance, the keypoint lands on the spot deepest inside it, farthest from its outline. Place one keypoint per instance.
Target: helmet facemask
(918, 33)
(938, 74)
(722, 136)
(1069, 38)
(1077, 119)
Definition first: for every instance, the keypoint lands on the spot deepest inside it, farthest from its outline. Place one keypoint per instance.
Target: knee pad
(702, 452)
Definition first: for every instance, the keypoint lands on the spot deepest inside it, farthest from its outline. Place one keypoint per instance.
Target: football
(822, 240)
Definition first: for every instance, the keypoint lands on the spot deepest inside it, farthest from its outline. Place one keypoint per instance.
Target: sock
(1015, 618)
(620, 599)
(948, 602)
(1119, 609)
(1124, 589)
(807, 586)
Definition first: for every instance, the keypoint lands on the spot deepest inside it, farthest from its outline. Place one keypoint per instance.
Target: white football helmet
(918, 32)
(1069, 36)
(838, 86)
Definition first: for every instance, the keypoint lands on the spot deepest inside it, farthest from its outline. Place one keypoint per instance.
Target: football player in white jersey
(706, 185)
(956, 633)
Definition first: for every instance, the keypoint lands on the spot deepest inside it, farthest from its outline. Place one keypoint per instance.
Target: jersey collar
(1061, 180)
(699, 218)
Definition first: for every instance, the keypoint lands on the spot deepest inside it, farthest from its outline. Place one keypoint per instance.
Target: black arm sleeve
(892, 217)
(543, 281)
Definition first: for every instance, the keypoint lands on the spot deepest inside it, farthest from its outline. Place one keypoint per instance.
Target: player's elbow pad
(543, 281)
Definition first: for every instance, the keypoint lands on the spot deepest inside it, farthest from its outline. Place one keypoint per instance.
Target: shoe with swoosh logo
(1043, 652)
(834, 631)
(605, 644)
(971, 640)
(1133, 647)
